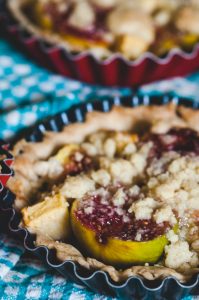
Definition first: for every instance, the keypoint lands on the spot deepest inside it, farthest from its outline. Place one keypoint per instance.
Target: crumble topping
(119, 198)
(90, 149)
(129, 149)
(122, 171)
(172, 236)
(110, 147)
(139, 161)
(101, 177)
(177, 184)
(179, 254)
(77, 187)
(82, 16)
(165, 214)
(134, 191)
(143, 208)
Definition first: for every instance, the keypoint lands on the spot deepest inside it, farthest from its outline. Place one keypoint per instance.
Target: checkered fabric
(28, 94)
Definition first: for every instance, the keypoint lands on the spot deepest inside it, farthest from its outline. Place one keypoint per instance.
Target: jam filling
(79, 162)
(109, 221)
(60, 22)
(182, 140)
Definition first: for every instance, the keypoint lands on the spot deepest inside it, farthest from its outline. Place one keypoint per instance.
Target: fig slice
(115, 251)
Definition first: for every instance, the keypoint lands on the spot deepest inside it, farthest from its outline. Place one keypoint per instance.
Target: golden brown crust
(190, 116)
(66, 252)
(27, 155)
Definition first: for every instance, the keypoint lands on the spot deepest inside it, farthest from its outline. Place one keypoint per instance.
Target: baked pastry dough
(187, 19)
(129, 179)
(130, 27)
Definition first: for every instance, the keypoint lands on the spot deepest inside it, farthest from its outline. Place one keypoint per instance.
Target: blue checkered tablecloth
(29, 93)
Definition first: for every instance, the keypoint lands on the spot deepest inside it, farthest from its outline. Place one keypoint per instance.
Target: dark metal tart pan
(98, 281)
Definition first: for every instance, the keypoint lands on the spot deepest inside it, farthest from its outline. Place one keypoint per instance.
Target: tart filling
(105, 27)
(125, 197)
(111, 220)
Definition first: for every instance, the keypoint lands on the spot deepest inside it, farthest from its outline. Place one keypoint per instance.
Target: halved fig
(49, 217)
(116, 250)
(180, 140)
(63, 155)
(74, 159)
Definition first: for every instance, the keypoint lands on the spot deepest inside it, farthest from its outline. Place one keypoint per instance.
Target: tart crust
(26, 180)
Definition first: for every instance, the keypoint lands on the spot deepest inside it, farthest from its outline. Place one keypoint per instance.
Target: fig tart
(129, 27)
(118, 192)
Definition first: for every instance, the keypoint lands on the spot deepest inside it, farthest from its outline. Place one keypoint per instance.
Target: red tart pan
(113, 71)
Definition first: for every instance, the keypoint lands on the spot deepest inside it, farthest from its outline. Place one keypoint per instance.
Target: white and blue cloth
(28, 94)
